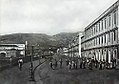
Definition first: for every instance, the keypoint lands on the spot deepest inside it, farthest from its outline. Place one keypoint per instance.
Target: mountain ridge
(60, 39)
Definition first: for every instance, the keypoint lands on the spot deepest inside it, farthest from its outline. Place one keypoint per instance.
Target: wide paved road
(45, 75)
(15, 76)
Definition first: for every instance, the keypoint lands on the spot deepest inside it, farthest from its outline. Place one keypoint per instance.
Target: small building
(12, 50)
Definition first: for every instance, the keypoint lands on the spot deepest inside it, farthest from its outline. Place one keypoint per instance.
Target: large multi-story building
(74, 48)
(100, 38)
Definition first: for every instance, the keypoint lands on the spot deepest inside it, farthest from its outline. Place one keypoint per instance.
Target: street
(45, 75)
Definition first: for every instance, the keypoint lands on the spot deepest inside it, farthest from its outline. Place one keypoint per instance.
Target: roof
(12, 45)
(6, 45)
(116, 4)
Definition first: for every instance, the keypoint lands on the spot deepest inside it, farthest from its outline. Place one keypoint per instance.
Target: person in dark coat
(51, 64)
(96, 63)
(67, 62)
(113, 63)
(55, 63)
(60, 63)
(100, 65)
(81, 64)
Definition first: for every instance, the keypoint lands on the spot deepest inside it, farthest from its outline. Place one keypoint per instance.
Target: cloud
(49, 16)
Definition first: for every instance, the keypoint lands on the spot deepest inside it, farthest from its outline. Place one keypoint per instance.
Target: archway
(2, 54)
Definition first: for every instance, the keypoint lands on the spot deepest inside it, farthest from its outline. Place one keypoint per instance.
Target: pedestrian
(96, 63)
(20, 63)
(10, 60)
(84, 64)
(50, 64)
(55, 63)
(87, 62)
(81, 64)
(93, 63)
(103, 64)
(60, 61)
(73, 65)
(100, 65)
(67, 62)
(76, 64)
(107, 65)
(90, 65)
(69, 66)
(114, 63)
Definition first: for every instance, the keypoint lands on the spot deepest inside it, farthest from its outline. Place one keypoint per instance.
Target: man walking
(20, 63)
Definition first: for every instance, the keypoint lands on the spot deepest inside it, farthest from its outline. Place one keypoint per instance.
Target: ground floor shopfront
(104, 53)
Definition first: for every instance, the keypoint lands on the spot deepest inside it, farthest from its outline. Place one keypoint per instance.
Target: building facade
(100, 38)
(12, 50)
(74, 47)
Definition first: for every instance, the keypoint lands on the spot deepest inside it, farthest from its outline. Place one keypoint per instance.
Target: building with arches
(100, 39)
(12, 50)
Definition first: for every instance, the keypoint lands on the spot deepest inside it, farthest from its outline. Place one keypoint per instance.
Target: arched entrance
(2, 54)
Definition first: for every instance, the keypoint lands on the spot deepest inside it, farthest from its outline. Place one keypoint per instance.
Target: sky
(49, 16)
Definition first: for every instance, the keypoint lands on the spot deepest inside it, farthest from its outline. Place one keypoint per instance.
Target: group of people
(84, 63)
(99, 64)
(91, 63)
(54, 63)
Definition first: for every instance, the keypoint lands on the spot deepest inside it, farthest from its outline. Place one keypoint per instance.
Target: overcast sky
(49, 16)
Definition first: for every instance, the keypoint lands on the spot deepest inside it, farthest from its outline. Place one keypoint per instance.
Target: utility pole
(32, 68)
(31, 65)
(26, 43)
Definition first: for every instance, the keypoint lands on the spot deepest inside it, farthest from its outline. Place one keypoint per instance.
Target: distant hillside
(64, 38)
(61, 39)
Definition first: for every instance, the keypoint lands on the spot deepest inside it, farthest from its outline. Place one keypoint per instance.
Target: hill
(61, 39)
(64, 38)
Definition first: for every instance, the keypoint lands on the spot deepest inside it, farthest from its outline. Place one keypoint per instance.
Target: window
(96, 41)
(109, 37)
(105, 23)
(91, 31)
(96, 27)
(105, 38)
(102, 39)
(99, 26)
(99, 40)
(115, 17)
(114, 35)
(102, 24)
(109, 20)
